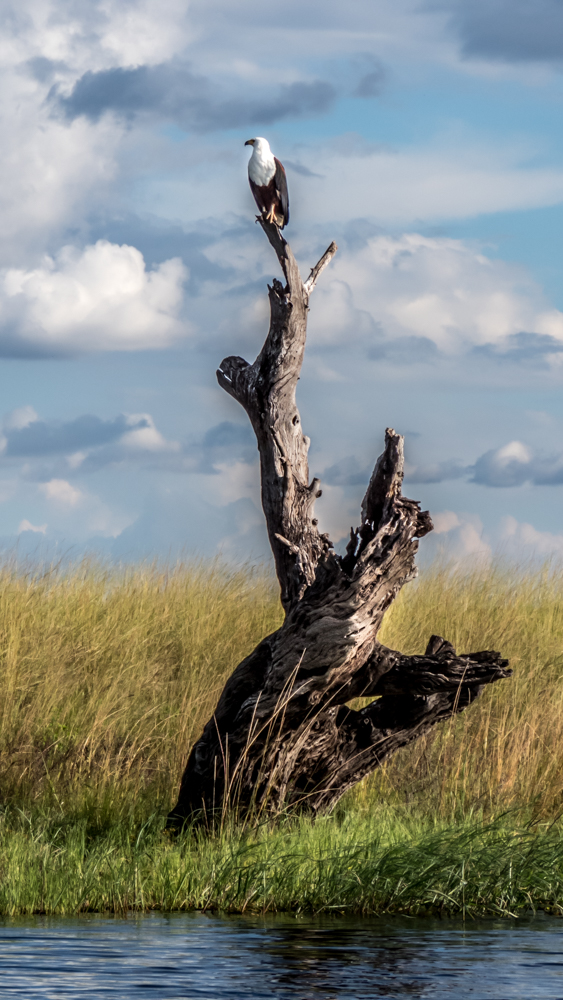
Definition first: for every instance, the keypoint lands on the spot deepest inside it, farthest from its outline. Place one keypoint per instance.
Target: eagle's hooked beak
(250, 142)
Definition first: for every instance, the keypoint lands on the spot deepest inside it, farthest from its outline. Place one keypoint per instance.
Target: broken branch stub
(282, 735)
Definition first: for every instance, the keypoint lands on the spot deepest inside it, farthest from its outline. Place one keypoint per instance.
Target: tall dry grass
(506, 751)
(107, 676)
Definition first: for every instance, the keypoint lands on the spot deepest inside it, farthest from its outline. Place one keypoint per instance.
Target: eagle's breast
(261, 169)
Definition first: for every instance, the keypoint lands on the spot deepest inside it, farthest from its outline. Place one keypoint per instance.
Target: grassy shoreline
(107, 676)
(351, 866)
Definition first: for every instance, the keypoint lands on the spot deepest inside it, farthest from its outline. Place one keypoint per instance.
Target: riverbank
(107, 676)
(349, 864)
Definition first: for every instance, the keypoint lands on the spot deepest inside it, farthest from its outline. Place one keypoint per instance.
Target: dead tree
(282, 734)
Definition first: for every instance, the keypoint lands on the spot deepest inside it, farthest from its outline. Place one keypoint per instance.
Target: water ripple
(205, 957)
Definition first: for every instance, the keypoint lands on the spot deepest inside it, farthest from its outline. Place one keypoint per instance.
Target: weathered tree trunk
(282, 735)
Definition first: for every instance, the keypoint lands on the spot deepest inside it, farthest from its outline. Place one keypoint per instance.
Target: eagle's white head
(261, 146)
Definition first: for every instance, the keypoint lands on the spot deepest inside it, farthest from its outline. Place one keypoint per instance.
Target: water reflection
(204, 957)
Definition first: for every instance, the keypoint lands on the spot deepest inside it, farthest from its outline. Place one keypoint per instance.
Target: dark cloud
(173, 92)
(436, 473)
(13, 345)
(225, 443)
(511, 30)
(357, 233)
(40, 438)
(347, 472)
(354, 145)
(515, 465)
(159, 240)
(300, 169)
(43, 69)
(104, 443)
(373, 77)
(522, 348)
(405, 350)
(511, 465)
(350, 472)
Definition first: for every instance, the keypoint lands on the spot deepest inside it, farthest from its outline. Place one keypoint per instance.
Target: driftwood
(282, 735)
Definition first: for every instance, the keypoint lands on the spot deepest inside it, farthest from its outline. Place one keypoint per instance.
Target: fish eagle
(268, 182)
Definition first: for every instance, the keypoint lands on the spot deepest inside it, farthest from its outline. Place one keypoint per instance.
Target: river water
(205, 957)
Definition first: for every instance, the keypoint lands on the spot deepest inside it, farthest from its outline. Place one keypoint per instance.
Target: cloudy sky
(424, 136)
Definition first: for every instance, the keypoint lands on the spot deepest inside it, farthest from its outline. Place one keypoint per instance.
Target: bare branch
(285, 256)
(232, 376)
(316, 270)
(274, 236)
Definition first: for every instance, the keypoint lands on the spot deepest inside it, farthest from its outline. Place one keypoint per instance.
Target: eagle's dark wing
(258, 193)
(281, 188)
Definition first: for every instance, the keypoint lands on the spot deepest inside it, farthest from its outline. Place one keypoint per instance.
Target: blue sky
(424, 137)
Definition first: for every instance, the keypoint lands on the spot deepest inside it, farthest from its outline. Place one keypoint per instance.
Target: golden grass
(505, 751)
(107, 676)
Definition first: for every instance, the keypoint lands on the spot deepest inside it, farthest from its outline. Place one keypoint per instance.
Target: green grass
(347, 865)
(107, 676)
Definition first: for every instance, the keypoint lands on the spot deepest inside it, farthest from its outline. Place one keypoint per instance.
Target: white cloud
(62, 492)
(521, 540)
(321, 27)
(21, 417)
(402, 297)
(337, 316)
(445, 521)
(516, 463)
(75, 460)
(76, 513)
(146, 438)
(100, 298)
(452, 177)
(462, 539)
(26, 525)
(416, 286)
(53, 172)
(97, 35)
(235, 481)
(550, 323)
(56, 172)
(449, 177)
(541, 419)
(51, 449)
(142, 32)
(514, 451)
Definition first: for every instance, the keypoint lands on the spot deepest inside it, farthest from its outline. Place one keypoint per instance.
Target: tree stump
(282, 735)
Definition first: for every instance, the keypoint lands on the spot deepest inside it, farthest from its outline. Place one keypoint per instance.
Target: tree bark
(282, 735)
